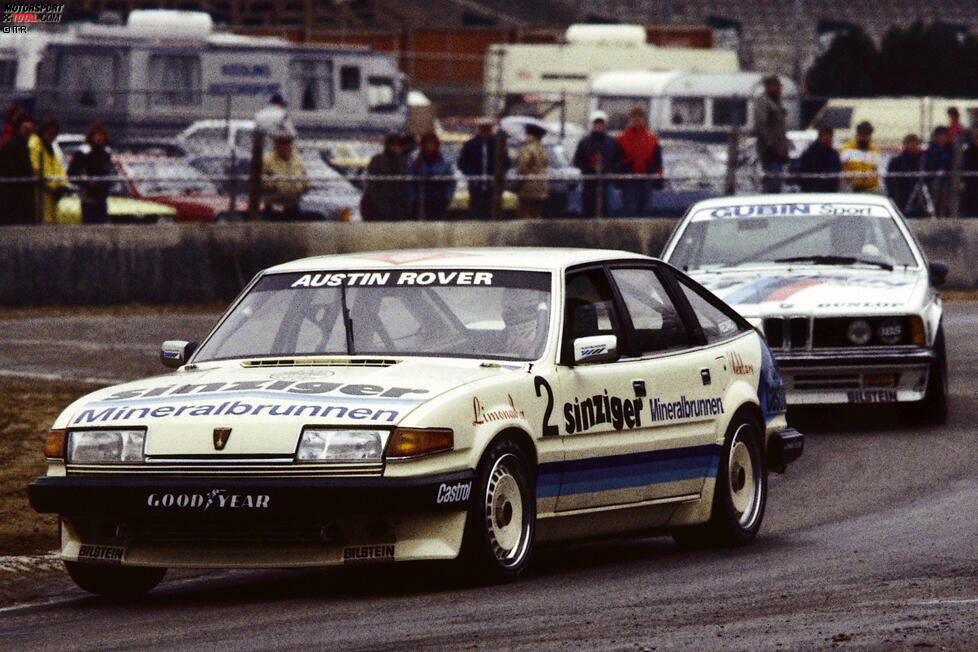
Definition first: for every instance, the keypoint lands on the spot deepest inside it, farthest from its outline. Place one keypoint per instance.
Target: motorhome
(164, 69)
(687, 105)
(545, 80)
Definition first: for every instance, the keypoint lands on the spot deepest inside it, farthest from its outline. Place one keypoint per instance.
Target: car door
(633, 429)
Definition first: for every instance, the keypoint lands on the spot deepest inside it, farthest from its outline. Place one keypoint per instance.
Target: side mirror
(175, 353)
(596, 348)
(938, 273)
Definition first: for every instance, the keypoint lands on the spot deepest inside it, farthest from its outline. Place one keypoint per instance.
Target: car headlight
(859, 332)
(890, 331)
(105, 446)
(415, 442)
(335, 445)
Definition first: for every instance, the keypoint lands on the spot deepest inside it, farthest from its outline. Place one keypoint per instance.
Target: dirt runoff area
(28, 407)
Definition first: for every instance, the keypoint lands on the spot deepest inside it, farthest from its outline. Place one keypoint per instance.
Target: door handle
(639, 387)
(705, 376)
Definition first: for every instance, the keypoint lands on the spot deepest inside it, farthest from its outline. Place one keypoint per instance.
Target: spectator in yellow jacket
(861, 160)
(47, 164)
(284, 178)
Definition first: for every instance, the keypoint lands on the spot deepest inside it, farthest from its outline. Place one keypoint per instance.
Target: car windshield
(826, 234)
(167, 177)
(472, 313)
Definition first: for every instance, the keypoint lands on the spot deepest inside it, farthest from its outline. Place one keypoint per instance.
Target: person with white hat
(597, 154)
(284, 179)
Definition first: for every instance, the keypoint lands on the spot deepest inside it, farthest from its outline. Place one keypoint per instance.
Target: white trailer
(165, 69)
(535, 79)
(687, 105)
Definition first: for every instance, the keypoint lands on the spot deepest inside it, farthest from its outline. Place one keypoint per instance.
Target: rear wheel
(740, 494)
(502, 515)
(114, 581)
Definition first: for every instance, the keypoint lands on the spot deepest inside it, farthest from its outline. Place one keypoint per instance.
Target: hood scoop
(320, 362)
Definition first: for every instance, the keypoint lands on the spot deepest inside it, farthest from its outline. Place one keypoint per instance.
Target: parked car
(838, 285)
(425, 405)
(120, 210)
(173, 181)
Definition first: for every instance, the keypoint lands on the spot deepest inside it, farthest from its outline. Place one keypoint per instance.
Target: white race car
(397, 406)
(838, 285)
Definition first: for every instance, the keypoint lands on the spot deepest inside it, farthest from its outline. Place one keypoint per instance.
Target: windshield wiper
(834, 260)
(347, 322)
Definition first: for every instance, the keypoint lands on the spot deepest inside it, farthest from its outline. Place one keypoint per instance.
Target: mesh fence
(213, 171)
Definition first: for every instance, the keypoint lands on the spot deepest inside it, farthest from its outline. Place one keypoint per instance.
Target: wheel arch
(522, 439)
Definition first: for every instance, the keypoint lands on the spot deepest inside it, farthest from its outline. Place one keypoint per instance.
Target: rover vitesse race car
(396, 406)
(838, 285)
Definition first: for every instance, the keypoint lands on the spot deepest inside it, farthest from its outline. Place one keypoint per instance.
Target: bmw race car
(397, 406)
(838, 285)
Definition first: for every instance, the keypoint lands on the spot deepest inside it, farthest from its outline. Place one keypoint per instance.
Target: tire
(114, 581)
(741, 491)
(501, 523)
(932, 410)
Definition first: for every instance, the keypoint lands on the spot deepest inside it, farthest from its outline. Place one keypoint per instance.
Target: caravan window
(349, 78)
(617, 109)
(729, 111)
(381, 94)
(174, 80)
(86, 80)
(8, 73)
(311, 84)
(688, 110)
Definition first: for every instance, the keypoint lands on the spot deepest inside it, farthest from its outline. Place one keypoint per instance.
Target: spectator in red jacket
(640, 155)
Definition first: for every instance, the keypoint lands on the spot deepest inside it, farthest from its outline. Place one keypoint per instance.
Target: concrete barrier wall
(62, 264)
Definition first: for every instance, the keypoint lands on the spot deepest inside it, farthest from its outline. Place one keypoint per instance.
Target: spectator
(386, 200)
(938, 160)
(47, 165)
(274, 117)
(15, 114)
(93, 159)
(532, 162)
(640, 154)
(283, 177)
(597, 154)
(861, 160)
(434, 183)
(820, 158)
(770, 128)
(969, 168)
(904, 176)
(16, 174)
(956, 132)
(477, 159)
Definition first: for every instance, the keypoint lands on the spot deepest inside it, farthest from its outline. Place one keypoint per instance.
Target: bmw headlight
(105, 446)
(335, 445)
(890, 331)
(859, 332)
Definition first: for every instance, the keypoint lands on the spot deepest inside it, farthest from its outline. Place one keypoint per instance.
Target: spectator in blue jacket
(817, 161)
(903, 176)
(938, 160)
(477, 159)
(433, 184)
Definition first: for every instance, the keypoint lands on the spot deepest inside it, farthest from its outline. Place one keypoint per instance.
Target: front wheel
(502, 516)
(740, 494)
(114, 581)
(932, 410)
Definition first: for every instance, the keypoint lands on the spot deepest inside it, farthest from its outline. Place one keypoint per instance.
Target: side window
(174, 79)
(657, 324)
(311, 84)
(588, 308)
(717, 324)
(349, 78)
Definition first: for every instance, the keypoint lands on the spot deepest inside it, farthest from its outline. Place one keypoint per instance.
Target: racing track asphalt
(870, 542)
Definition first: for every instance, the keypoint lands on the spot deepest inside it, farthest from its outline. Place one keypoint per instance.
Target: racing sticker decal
(872, 396)
(453, 493)
(280, 387)
(600, 409)
(102, 554)
(480, 415)
(662, 410)
(738, 366)
(368, 554)
(215, 498)
(233, 408)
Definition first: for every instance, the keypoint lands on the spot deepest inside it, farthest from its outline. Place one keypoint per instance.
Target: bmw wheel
(740, 494)
(502, 515)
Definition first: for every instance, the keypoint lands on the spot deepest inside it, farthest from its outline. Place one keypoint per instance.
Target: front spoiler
(133, 495)
(833, 358)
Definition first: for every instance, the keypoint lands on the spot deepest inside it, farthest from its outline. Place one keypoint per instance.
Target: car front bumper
(842, 376)
(255, 523)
